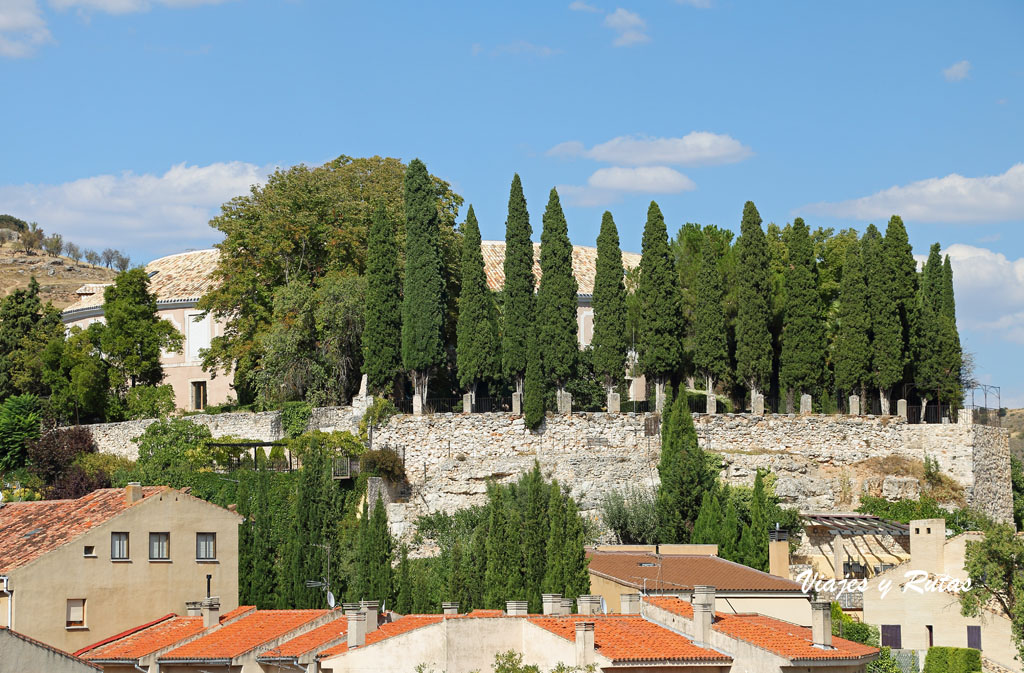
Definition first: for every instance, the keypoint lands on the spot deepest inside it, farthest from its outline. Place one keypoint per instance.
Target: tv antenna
(324, 582)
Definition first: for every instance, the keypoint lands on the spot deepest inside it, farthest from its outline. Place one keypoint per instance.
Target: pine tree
(536, 388)
(478, 348)
(899, 255)
(423, 302)
(518, 307)
(711, 347)
(659, 342)
(609, 340)
(754, 542)
(382, 332)
(802, 362)
(556, 325)
(729, 537)
(707, 529)
(886, 333)
(753, 317)
(403, 603)
(853, 347)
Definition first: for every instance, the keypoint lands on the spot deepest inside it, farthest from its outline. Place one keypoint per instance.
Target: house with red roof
(73, 572)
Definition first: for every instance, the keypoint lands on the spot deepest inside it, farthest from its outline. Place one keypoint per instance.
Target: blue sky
(127, 122)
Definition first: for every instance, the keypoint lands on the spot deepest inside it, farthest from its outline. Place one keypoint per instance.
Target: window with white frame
(119, 547)
(75, 618)
(197, 335)
(206, 546)
(159, 546)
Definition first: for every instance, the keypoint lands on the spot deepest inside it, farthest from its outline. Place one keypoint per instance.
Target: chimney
(629, 604)
(927, 542)
(584, 643)
(350, 608)
(132, 493)
(566, 606)
(703, 616)
(372, 609)
(821, 624)
(588, 605)
(704, 593)
(778, 553)
(211, 612)
(516, 608)
(450, 608)
(194, 608)
(356, 629)
(551, 603)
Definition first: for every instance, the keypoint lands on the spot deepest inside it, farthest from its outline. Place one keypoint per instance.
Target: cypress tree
(574, 558)
(662, 328)
(707, 529)
(535, 534)
(556, 298)
(246, 555)
(711, 347)
(403, 603)
(899, 256)
(609, 341)
(753, 316)
(478, 347)
(954, 353)
(518, 307)
(754, 542)
(536, 388)
(423, 301)
(853, 348)
(554, 570)
(382, 333)
(686, 473)
(729, 540)
(503, 576)
(886, 333)
(379, 552)
(263, 585)
(802, 361)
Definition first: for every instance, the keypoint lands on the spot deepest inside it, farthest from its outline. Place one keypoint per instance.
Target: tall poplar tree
(886, 333)
(899, 256)
(518, 305)
(802, 361)
(382, 333)
(556, 298)
(609, 341)
(753, 316)
(662, 328)
(711, 346)
(478, 352)
(853, 345)
(423, 302)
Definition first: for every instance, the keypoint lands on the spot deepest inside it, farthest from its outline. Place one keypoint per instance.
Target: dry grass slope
(58, 277)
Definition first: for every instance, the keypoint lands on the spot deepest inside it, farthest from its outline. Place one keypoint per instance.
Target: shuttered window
(75, 613)
(974, 637)
(891, 636)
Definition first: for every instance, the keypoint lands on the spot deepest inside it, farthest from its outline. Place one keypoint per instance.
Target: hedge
(952, 660)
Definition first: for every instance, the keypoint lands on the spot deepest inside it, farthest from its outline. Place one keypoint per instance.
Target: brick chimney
(516, 608)
(821, 624)
(450, 608)
(551, 603)
(778, 553)
(356, 629)
(211, 611)
(372, 609)
(132, 493)
(584, 643)
(629, 604)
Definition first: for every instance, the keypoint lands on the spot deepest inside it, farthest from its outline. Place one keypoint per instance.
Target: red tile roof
(624, 638)
(36, 643)
(310, 641)
(237, 612)
(30, 529)
(774, 635)
(584, 264)
(388, 630)
(235, 638)
(672, 572)
(143, 640)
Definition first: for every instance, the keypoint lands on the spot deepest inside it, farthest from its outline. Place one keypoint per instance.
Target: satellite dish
(330, 600)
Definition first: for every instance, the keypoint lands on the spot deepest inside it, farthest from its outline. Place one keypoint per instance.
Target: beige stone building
(75, 571)
(916, 620)
(674, 570)
(21, 654)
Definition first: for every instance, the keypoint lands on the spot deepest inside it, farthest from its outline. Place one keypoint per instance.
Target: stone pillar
(517, 403)
(838, 555)
(467, 403)
(613, 403)
(659, 397)
(855, 405)
(805, 404)
(757, 404)
(712, 404)
(564, 402)
(417, 405)
(901, 409)
(965, 417)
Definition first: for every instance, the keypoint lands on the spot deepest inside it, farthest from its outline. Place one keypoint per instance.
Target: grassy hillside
(58, 277)
(1014, 422)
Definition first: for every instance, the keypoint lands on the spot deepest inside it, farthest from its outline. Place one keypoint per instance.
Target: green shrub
(295, 418)
(952, 660)
(845, 626)
(632, 516)
(383, 463)
(377, 414)
(19, 425)
(150, 401)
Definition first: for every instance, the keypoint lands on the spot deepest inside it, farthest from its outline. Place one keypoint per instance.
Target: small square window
(75, 613)
(159, 546)
(119, 547)
(928, 531)
(206, 546)
(90, 550)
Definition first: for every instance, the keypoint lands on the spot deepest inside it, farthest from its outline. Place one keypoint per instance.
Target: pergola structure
(842, 525)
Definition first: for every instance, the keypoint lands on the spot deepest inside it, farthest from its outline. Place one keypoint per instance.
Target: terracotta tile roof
(388, 630)
(624, 638)
(37, 643)
(485, 613)
(237, 612)
(774, 635)
(143, 640)
(182, 277)
(235, 638)
(318, 638)
(584, 264)
(681, 572)
(30, 529)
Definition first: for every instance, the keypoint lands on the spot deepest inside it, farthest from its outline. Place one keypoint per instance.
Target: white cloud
(957, 71)
(523, 48)
(607, 185)
(953, 199)
(580, 6)
(127, 6)
(22, 28)
(698, 147)
(158, 213)
(630, 27)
